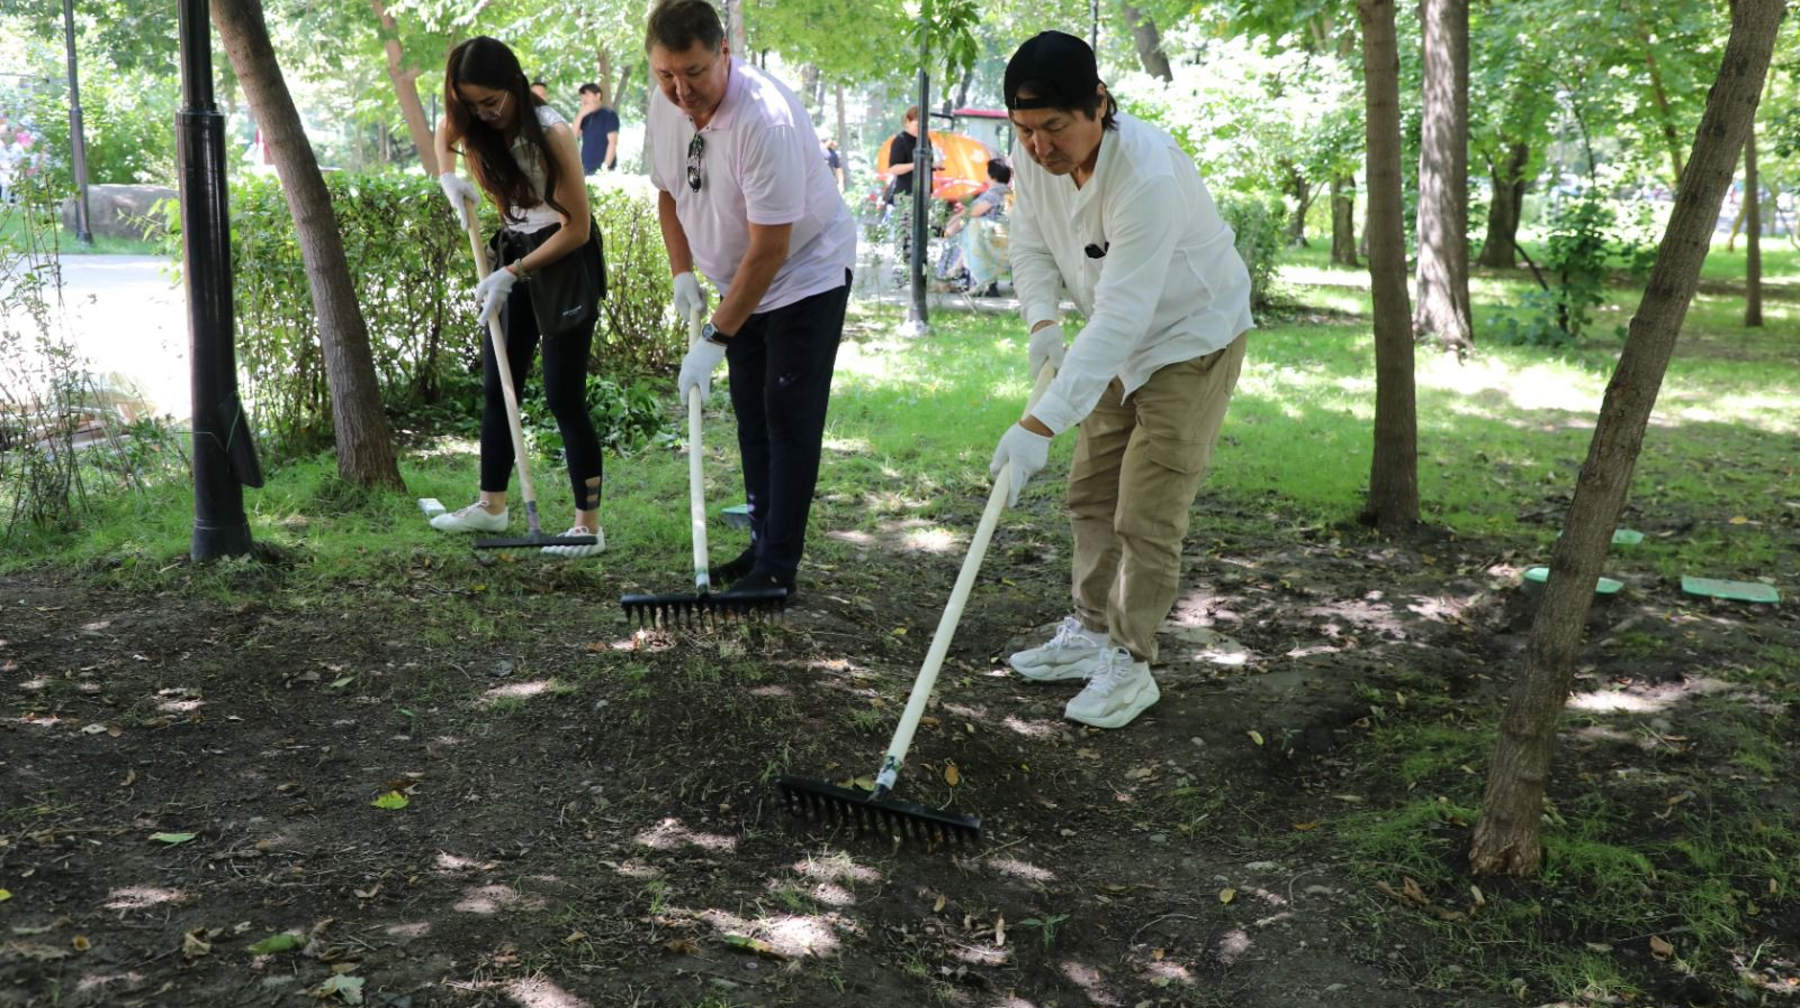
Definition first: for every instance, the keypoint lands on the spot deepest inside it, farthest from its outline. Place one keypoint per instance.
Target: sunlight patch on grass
(540, 992)
(671, 834)
(933, 540)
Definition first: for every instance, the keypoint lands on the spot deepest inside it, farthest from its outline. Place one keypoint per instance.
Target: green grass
(66, 243)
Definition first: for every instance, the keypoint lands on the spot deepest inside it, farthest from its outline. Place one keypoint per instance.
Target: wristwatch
(713, 334)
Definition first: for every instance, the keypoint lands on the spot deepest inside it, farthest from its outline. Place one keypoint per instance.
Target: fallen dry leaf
(194, 945)
(1410, 891)
(1000, 931)
(130, 778)
(681, 946)
(938, 906)
(1660, 948)
(952, 776)
(1227, 894)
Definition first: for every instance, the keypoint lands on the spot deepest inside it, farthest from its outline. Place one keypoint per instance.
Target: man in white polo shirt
(1114, 211)
(746, 199)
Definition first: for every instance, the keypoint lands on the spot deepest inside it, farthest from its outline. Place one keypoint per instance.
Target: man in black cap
(1112, 208)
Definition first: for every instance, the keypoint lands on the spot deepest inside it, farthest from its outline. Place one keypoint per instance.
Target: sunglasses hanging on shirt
(696, 148)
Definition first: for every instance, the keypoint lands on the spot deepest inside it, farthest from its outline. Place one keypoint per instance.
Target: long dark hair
(487, 62)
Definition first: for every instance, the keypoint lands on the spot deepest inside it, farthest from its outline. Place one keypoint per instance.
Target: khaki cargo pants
(1138, 466)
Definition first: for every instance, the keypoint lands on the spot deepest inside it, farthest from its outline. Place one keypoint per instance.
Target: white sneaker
(579, 551)
(1120, 690)
(474, 518)
(1072, 653)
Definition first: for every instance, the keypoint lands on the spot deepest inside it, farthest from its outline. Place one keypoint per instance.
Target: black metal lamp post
(224, 457)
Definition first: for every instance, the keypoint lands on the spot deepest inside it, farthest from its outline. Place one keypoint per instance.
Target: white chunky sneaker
(474, 518)
(579, 551)
(1072, 653)
(1120, 690)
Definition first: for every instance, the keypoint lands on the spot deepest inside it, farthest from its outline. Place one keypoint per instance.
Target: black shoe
(760, 583)
(726, 573)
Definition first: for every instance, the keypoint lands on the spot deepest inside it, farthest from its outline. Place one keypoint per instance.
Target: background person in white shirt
(746, 199)
(1113, 209)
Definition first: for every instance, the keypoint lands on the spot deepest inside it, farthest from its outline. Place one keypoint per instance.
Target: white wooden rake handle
(498, 336)
(696, 490)
(946, 629)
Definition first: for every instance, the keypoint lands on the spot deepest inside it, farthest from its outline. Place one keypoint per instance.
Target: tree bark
(1443, 310)
(1506, 839)
(1149, 43)
(603, 75)
(365, 451)
(1500, 250)
(1753, 313)
(1393, 503)
(1302, 193)
(1343, 220)
(406, 90)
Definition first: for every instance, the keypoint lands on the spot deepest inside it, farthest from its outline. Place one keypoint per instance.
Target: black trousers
(780, 364)
(565, 391)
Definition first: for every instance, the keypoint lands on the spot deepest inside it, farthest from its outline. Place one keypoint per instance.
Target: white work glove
(461, 195)
(491, 293)
(1021, 454)
(1046, 345)
(697, 368)
(690, 299)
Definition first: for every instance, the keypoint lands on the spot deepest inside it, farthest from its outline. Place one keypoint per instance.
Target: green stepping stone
(1602, 586)
(1627, 537)
(737, 515)
(1736, 591)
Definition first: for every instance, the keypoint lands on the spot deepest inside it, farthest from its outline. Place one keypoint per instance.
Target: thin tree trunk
(1343, 220)
(603, 75)
(365, 452)
(1149, 43)
(1753, 313)
(1737, 227)
(1500, 250)
(406, 91)
(1506, 839)
(843, 135)
(1302, 194)
(1443, 310)
(1671, 138)
(1393, 503)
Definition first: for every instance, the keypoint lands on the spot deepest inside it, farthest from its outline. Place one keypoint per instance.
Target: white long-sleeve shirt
(1170, 286)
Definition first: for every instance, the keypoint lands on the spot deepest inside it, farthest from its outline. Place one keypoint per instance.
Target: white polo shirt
(761, 166)
(1169, 287)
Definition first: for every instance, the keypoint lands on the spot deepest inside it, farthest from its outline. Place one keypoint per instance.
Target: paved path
(128, 324)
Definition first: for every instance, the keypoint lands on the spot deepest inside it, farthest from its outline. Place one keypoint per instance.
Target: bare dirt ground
(591, 819)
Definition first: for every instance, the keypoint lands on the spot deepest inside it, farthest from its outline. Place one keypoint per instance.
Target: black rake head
(889, 816)
(532, 542)
(676, 611)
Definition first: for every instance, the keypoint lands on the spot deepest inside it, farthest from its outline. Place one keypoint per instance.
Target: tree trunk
(406, 90)
(735, 34)
(1753, 314)
(603, 75)
(1506, 839)
(623, 91)
(1500, 250)
(843, 135)
(1343, 220)
(365, 452)
(1149, 43)
(1667, 118)
(1302, 193)
(1393, 503)
(1443, 310)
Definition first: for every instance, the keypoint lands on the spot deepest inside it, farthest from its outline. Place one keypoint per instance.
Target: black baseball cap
(1056, 67)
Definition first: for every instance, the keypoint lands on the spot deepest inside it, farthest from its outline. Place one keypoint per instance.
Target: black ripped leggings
(565, 390)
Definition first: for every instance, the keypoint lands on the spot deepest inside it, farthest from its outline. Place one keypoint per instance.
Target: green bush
(1258, 225)
(1584, 239)
(415, 284)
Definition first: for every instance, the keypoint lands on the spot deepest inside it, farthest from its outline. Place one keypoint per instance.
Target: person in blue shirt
(598, 125)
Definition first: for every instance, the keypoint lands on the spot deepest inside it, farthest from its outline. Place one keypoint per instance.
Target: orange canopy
(962, 165)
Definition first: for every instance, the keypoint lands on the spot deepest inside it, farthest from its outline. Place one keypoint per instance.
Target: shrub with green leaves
(1584, 239)
(1258, 227)
(415, 285)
